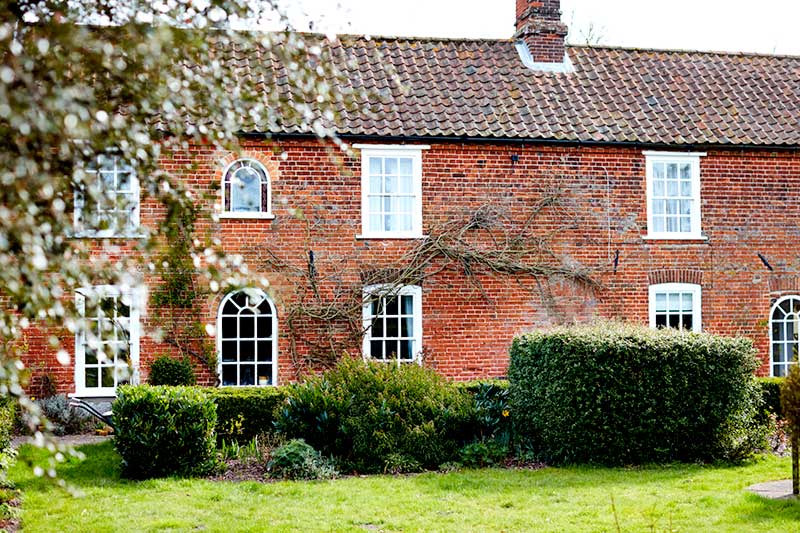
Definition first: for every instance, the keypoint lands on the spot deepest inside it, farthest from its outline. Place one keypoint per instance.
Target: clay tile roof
(480, 88)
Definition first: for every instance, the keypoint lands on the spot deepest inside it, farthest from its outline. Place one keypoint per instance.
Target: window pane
(264, 325)
(376, 349)
(247, 375)
(405, 204)
(674, 321)
(407, 307)
(228, 351)
(375, 166)
(264, 374)
(229, 375)
(686, 171)
(228, 327)
(247, 325)
(375, 223)
(672, 207)
(407, 329)
(661, 320)
(392, 329)
(779, 370)
(391, 306)
(672, 189)
(91, 377)
(661, 302)
(406, 166)
(672, 225)
(672, 171)
(658, 225)
(391, 167)
(686, 188)
(658, 188)
(659, 207)
(406, 349)
(658, 171)
(247, 351)
(687, 322)
(686, 298)
(90, 356)
(405, 184)
(404, 223)
(685, 207)
(107, 376)
(377, 327)
(375, 204)
(777, 352)
(264, 350)
(375, 184)
(686, 225)
(390, 183)
(674, 301)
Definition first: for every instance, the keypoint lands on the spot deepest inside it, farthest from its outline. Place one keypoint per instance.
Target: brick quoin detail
(747, 208)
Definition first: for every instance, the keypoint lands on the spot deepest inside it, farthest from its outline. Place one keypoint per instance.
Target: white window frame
(400, 150)
(219, 339)
(697, 301)
(268, 214)
(136, 296)
(383, 291)
(132, 230)
(772, 341)
(693, 159)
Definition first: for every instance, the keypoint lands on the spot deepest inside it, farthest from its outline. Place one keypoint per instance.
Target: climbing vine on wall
(323, 316)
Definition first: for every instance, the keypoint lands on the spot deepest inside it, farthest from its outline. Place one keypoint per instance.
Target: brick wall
(749, 206)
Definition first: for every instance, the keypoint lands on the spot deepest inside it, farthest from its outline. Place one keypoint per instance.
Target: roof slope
(480, 88)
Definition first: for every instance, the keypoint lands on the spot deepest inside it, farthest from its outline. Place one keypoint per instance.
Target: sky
(762, 26)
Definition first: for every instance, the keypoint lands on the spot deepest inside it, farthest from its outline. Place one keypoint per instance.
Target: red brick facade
(749, 207)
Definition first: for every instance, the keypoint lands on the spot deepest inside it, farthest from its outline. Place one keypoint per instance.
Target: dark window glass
(229, 375)
(91, 377)
(247, 375)
(247, 350)
(264, 350)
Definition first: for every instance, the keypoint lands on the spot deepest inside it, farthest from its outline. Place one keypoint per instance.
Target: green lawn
(676, 498)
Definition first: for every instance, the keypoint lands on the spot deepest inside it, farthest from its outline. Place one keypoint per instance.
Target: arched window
(247, 339)
(246, 189)
(784, 331)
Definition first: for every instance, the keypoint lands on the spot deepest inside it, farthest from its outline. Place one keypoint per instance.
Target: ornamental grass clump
(374, 418)
(623, 394)
(164, 431)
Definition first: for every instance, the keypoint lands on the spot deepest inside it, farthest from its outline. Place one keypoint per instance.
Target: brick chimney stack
(539, 25)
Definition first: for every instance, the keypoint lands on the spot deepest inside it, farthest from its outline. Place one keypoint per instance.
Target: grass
(671, 498)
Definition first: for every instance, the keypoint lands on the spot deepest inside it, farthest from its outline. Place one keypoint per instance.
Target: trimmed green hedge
(622, 394)
(771, 393)
(166, 370)
(246, 412)
(162, 431)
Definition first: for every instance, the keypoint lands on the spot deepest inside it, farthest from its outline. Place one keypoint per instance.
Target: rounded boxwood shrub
(624, 394)
(374, 417)
(166, 370)
(162, 431)
(246, 412)
(771, 394)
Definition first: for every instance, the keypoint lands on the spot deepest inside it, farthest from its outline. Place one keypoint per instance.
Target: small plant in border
(298, 460)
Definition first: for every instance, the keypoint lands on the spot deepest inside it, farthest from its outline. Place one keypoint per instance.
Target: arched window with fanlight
(246, 191)
(784, 334)
(247, 339)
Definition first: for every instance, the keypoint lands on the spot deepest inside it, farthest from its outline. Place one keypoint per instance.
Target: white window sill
(396, 236)
(245, 216)
(674, 237)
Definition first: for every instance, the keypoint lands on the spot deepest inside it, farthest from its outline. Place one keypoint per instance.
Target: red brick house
(661, 187)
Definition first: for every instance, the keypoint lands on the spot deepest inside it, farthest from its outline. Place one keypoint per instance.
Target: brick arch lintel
(784, 285)
(675, 275)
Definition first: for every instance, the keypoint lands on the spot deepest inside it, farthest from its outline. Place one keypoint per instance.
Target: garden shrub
(162, 431)
(166, 370)
(771, 394)
(298, 460)
(622, 394)
(374, 417)
(493, 413)
(65, 420)
(244, 413)
(790, 400)
(484, 453)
